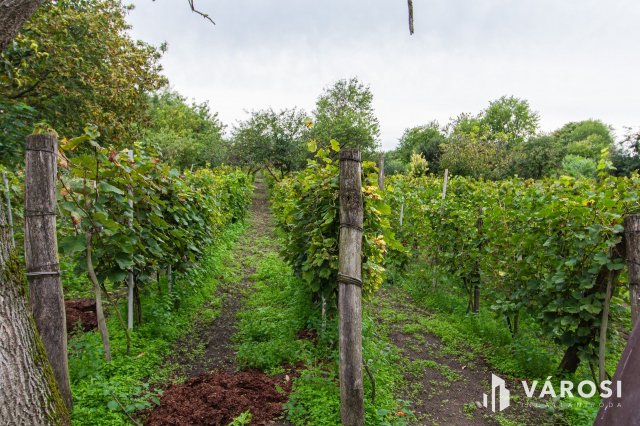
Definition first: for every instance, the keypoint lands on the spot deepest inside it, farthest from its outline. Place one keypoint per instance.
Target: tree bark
(41, 254)
(29, 393)
(13, 14)
(350, 289)
(632, 239)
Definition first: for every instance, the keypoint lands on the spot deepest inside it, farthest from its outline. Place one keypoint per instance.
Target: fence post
(381, 173)
(444, 183)
(350, 289)
(41, 254)
(632, 238)
(9, 208)
(130, 280)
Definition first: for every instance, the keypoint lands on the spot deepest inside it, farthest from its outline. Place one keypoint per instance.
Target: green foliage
(536, 247)
(267, 338)
(74, 63)
(577, 166)
(511, 120)
(307, 209)
(418, 166)
(585, 138)
(344, 112)
(184, 135)
(243, 419)
(425, 140)
(275, 141)
(173, 216)
(102, 389)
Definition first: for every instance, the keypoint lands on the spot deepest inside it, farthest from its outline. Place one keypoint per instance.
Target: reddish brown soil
(81, 312)
(217, 398)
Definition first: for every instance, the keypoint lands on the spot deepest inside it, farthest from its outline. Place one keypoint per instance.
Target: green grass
(466, 336)
(104, 391)
(267, 338)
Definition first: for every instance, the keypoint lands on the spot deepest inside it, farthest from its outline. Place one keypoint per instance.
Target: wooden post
(444, 183)
(402, 212)
(632, 238)
(41, 254)
(130, 280)
(350, 289)
(477, 276)
(381, 172)
(9, 209)
(169, 279)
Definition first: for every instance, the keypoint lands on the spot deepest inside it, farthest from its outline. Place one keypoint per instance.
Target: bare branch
(204, 15)
(410, 3)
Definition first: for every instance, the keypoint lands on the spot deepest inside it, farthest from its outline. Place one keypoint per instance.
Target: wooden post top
(45, 142)
(350, 154)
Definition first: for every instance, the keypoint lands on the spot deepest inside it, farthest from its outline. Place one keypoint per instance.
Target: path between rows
(444, 386)
(215, 391)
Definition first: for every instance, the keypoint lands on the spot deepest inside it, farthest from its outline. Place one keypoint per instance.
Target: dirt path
(445, 386)
(214, 392)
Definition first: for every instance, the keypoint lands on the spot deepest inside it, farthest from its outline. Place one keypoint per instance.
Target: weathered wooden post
(444, 183)
(350, 289)
(381, 172)
(402, 212)
(9, 208)
(632, 238)
(130, 279)
(41, 254)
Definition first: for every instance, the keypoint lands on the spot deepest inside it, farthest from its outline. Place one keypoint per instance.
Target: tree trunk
(102, 323)
(350, 289)
(137, 306)
(570, 360)
(13, 14)
(41, 254)
(29, 393)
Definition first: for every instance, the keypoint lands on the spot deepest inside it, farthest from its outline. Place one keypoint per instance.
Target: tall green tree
(585, 138)
(73, 64)
(344, 112)
(272, 140)
(184, 134)
(510, 119)
(424, 140)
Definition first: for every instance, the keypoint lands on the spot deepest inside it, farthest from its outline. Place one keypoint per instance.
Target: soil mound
(213, 399)
(81, 311)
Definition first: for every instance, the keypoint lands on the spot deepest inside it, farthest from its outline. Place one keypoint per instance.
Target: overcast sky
(571, 59)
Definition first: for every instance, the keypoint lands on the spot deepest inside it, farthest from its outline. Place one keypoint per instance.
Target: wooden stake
(350, 289)
(402, 212)
(632, 238)
(444, 183)
(41, 254)
(130, 280)
(381, 172)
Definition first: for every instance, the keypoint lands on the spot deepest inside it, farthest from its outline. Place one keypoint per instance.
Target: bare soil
(215, 392)
(436, 399)
(81, 314)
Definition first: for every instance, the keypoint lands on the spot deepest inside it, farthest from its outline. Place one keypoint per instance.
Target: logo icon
(503, 395)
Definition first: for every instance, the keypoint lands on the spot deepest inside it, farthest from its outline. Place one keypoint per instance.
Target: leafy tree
(510, 119)
(625, 156)
(394, 163)
(344, 112)
(577, 166)
(273, 140)
(418, 166)
(585, 138)
(74, 64)
(537, 157)
(184, 134)
(424, 140)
